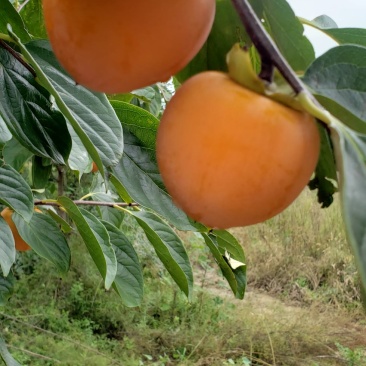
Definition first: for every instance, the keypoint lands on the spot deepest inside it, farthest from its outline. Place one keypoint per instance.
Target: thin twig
(88, 203)
(270, 55)
(34, 354)
(17, 56)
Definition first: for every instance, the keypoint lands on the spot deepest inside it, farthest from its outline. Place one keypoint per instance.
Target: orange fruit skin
(94, 168)
(230, 157)
(116, 46)
(20, 244)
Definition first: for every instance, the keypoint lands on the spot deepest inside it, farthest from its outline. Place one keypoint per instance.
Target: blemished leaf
(15, 192)
(6, 356)
(40, 173)
(16, 154)
(89, 113)
(7, 247)
(338, 80)
(227, 242)
(169, 248)
(6, 288)
(44, 236)
(288, 33)
(235, 277)
(32, 16)
(96, 239)
(325, 179)
(352, 167)
(28, 113)
(5, 134)
(137, 172)
(9, 15)
(129, 281)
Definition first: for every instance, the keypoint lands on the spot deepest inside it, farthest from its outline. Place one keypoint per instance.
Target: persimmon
(94, 168)
(20, 244)
(231, 157)
(116, 46)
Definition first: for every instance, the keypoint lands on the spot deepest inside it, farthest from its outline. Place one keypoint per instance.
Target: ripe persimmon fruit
(116, 46)
(20, 244)
(231, 157)
(94, 168)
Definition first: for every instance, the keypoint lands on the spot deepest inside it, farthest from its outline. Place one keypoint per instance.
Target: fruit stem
(17, 56)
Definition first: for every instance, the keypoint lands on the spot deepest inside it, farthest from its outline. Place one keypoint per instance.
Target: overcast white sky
(346, 13)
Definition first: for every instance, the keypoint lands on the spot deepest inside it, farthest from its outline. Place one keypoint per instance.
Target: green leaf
(32, 15)
(7, 247)
(15, 192)
(325, 172)
(227, 242)
(6, 356)
(43, 235)
(226, 30)
(235, 277)
(16, 154)
(137, 173)
(322, 22)
(27, 112)
(89, 113)
(65, 227)
(5, 134)
(129, 281)
(169, 248)
(338, 80)
(288, 33)
(6, 288)
(352, 166)
(9, 15)
(40, 173)
(96, 239)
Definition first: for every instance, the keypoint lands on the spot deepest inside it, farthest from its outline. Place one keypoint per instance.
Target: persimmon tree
(51, 126)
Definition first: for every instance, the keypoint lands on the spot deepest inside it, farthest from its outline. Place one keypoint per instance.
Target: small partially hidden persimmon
(116, 46)
(230, 157)
(94, 168)
(20, 244)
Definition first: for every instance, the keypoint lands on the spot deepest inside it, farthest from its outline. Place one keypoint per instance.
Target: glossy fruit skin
(117, 46)
(230, 157)
(20, 244)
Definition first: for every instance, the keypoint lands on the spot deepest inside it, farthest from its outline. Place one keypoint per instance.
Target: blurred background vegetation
(302, 306)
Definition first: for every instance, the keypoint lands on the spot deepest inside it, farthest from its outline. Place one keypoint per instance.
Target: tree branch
(88, 203)
(270, 55)
(18, 57)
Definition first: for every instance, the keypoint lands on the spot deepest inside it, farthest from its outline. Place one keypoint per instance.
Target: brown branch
(17, 56)
(89, 203)
(270, 55)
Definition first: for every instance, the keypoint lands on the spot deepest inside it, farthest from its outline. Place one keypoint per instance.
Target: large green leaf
(32, 15)
(7, 247)
(89, 113)
(288, 33)
(40, 173)
(28, 113)
(6, 356)
(16, 154)
(15, 192)
(137, 173)
(96, 239)
(10, 16)
(128, 282)
(236, 277)
(45, 238)
(352, 166)
(338, 80)
(6, 288)
(226, 30)
(169, 248)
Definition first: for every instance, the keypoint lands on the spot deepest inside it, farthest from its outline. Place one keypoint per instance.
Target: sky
(346, 13)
